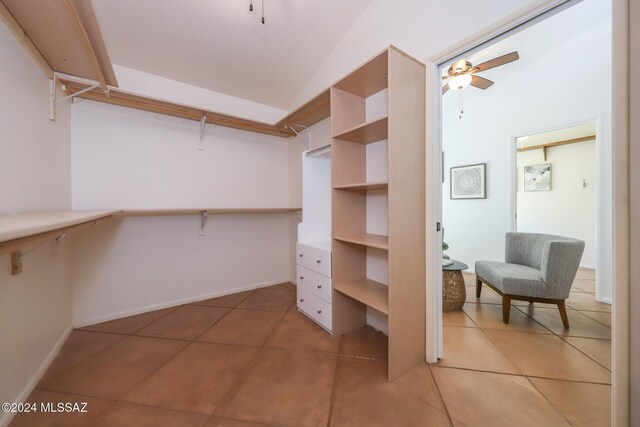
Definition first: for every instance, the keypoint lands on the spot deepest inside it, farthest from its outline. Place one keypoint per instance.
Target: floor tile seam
(594, 360)
(502, 352)
(213, 324)
(561, 335)
(544, 396)
(334, 384)
(539, 377)
(604, 324)
(172, 309)
(224, 399)
(81, 361)
(444, 403)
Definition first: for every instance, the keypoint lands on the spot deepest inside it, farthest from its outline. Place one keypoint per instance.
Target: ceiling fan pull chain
(461, 104)
(263, 11)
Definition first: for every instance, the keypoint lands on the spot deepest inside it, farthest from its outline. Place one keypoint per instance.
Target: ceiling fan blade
(496, 62)
(480, 82)
(445, 88)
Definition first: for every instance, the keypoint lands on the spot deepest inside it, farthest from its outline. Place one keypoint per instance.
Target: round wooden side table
(454, 292)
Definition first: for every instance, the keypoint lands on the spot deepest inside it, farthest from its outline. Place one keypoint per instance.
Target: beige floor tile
(268, 299)
(79, 346)
(582, 404)
(128, 415)
(489, 399)
(548, 356)
(116, 370)
(584, 285)
(297, 332)
(365, 342)
(598, 350)
(187, 322)
(458, 318)
(602, 317)
(586, 273)
(582, 301)
(130, 324)
(364, 397)
(243, 327)
(471, 349)
(229, 301)
(489, 316)
(487, 296)
(285, 388)
(94, 408)
(419, 382)
(579, 324)
(196, 380)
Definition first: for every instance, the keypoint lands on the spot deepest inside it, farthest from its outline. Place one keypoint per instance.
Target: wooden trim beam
(557, 143)
(7, 18)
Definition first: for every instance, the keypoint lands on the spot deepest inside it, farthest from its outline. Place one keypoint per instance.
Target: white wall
(35, 306)
(569, 209)
(128, 159)
(530, 96)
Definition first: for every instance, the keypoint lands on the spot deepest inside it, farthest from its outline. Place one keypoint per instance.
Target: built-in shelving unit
(378, 203)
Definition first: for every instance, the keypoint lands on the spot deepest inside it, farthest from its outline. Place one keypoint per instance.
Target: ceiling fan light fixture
(460, 81)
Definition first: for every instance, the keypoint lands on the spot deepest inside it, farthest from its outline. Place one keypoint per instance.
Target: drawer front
(315, 259)
(322, 313)
(314, 283)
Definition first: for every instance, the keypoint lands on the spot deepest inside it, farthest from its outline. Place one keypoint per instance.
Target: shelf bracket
(203, 221)
(203, 122)
(53, 97)
(16, 263)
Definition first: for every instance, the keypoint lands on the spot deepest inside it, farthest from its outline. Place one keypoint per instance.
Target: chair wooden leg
(563, 314)
(478, 287)
(506, 308)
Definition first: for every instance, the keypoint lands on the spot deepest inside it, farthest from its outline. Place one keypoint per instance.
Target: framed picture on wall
(537, 178)
(468, 182)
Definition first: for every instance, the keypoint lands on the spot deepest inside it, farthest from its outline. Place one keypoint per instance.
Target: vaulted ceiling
(221, 46)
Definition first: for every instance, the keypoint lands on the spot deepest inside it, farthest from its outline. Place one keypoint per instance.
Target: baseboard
(5, 418)
(605, 300)
(146, 309)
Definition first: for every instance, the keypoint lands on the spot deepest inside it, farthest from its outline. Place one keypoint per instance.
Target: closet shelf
(365, 239)
(366, 291)
(366, 133)
(197, 211)
(363, 186)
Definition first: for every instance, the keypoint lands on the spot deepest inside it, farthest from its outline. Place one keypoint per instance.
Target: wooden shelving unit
(366, 133)
(366, 291)
(357, 210)
(364, 239)
(363, 186)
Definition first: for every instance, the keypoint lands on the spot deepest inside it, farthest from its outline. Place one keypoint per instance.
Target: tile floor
(251, 359)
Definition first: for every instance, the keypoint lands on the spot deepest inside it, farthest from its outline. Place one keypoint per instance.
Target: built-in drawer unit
(315, 283)
(313, 258)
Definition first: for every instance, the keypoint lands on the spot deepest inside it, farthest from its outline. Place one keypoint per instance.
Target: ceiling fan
(463, 73)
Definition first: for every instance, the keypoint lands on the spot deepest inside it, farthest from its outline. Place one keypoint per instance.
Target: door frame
(620, 172)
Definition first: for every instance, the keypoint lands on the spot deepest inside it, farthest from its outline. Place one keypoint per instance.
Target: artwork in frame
(468, 182)
(537, 178)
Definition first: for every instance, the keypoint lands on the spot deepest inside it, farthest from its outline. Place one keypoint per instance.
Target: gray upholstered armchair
(537, 268)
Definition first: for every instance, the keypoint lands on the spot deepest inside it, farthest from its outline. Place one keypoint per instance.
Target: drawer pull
(301, 299)
(318, 261)
(301, 255)
(319, 311)
(301, 277)
(319, 286)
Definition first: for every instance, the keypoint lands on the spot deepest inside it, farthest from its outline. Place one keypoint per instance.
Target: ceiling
(221, 46)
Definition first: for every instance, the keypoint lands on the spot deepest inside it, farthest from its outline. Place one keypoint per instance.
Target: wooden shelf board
(365, 239)
(369, 78)
(210, 211)
(312, 112)
(363, 186)
(366, 291)
(20, 225)
(366, 133)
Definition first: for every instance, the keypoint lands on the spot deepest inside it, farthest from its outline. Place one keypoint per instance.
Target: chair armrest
(561, 261)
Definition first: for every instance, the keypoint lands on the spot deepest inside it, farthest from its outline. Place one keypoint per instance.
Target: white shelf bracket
(53, 97)
(203, 221)
(203, 122)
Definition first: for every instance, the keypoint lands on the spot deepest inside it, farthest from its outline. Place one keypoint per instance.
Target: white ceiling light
(460, 81)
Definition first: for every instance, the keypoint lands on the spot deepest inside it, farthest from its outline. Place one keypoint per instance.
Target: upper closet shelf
(366, 133)
(196, 211)
(363, 186)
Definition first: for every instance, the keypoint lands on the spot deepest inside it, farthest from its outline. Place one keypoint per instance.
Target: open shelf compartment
(364, 239)
(369, 292)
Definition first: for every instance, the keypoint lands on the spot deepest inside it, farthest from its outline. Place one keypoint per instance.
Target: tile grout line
(335, 382)
(549, 401)
(446, 409)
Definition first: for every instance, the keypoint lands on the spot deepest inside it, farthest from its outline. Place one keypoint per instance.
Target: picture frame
(468, 182)
(537, 177)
